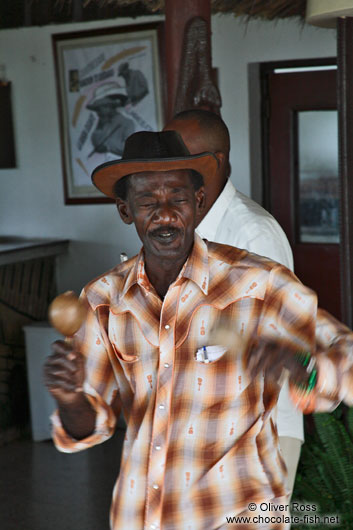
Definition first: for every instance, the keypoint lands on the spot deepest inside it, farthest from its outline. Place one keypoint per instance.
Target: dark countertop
(14, 249)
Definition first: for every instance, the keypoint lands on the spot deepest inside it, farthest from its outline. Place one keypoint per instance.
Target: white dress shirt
(237, 220)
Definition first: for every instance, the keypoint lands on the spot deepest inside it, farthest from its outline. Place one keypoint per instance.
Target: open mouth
(165, 235)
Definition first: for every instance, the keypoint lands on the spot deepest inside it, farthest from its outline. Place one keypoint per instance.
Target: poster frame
(88, 194)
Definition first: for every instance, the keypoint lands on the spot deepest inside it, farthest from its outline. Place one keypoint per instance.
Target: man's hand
(276, 360)
(64, 374)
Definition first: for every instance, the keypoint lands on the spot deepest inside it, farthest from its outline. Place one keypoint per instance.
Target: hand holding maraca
(64, 369)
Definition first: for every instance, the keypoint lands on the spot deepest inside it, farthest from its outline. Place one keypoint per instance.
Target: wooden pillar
(345, 121)
(177, 15)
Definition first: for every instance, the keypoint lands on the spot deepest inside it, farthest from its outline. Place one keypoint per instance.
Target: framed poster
(109, 86)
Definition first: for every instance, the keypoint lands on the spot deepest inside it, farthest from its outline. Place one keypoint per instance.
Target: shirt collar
(195, 269)
(136, 274)
(208, 227)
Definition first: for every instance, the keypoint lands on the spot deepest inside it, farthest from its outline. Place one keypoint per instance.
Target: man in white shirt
(234, 219)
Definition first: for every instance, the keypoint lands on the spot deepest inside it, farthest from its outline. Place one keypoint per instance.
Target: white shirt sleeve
(273, 246)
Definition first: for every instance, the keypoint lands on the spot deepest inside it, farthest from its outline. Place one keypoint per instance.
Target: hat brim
(106, 175)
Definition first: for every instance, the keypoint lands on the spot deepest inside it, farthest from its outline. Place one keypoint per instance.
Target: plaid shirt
(200, 441)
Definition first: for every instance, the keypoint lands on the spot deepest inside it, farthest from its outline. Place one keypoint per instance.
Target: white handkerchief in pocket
(208, 354)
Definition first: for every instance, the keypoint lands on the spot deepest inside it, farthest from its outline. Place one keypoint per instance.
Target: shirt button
(166, 365)
(161, 406)
(167, 326)
(158, 448)
(155, 487)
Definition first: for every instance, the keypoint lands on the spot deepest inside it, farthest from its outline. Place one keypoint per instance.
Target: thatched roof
(268, 9)
(15, 13)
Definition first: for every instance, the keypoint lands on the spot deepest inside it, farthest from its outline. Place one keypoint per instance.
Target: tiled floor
(42, 489)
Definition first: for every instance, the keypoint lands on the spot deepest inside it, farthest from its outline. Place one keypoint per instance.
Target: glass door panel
(318, 192)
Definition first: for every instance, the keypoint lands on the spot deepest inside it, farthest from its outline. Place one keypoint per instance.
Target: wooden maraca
(67, 313)
(223, 334)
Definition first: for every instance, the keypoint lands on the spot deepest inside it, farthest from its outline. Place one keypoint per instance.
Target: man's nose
(164, 214)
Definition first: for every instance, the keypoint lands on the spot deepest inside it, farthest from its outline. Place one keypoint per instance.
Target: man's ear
(200, 195)
(223, 162)
(221, 157)
(124, 211)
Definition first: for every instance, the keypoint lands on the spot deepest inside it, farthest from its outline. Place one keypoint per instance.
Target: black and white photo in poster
(109, 88)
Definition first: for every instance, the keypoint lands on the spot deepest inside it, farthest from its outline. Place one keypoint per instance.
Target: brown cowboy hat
(152, 151)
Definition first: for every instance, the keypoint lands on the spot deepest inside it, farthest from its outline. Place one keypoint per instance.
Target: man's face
(197, 142)
(106, 110)
(165, 209)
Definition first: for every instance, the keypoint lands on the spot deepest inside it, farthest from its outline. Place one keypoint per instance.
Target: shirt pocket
(125, 337)
(125, 357)
(130, 344)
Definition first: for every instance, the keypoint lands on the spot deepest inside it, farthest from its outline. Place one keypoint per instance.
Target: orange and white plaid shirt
(200, 443)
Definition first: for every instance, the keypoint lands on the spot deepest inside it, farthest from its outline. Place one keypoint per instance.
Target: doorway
(300, 154)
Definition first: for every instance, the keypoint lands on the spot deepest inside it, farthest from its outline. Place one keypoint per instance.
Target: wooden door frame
(345, 121)
(344, 63)
(265, 70)
(294, 93)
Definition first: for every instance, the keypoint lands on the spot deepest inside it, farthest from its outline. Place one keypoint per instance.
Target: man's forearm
(79, 418)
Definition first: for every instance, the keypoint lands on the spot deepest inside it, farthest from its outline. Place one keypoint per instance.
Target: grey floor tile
(43, 489)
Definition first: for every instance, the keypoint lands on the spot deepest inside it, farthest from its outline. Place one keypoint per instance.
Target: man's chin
(174, 248)
(171, 249)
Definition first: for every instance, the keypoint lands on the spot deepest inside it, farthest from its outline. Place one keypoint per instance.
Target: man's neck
(214, 196)
(162, 272)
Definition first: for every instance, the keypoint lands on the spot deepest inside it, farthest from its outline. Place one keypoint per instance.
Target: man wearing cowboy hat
(113, 127)
(201, 446)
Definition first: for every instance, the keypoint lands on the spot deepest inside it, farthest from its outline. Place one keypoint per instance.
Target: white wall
(236, 44)
(31, 196)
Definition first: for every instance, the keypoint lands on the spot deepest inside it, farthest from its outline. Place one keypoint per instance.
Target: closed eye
(147, 204)
(180, 198)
